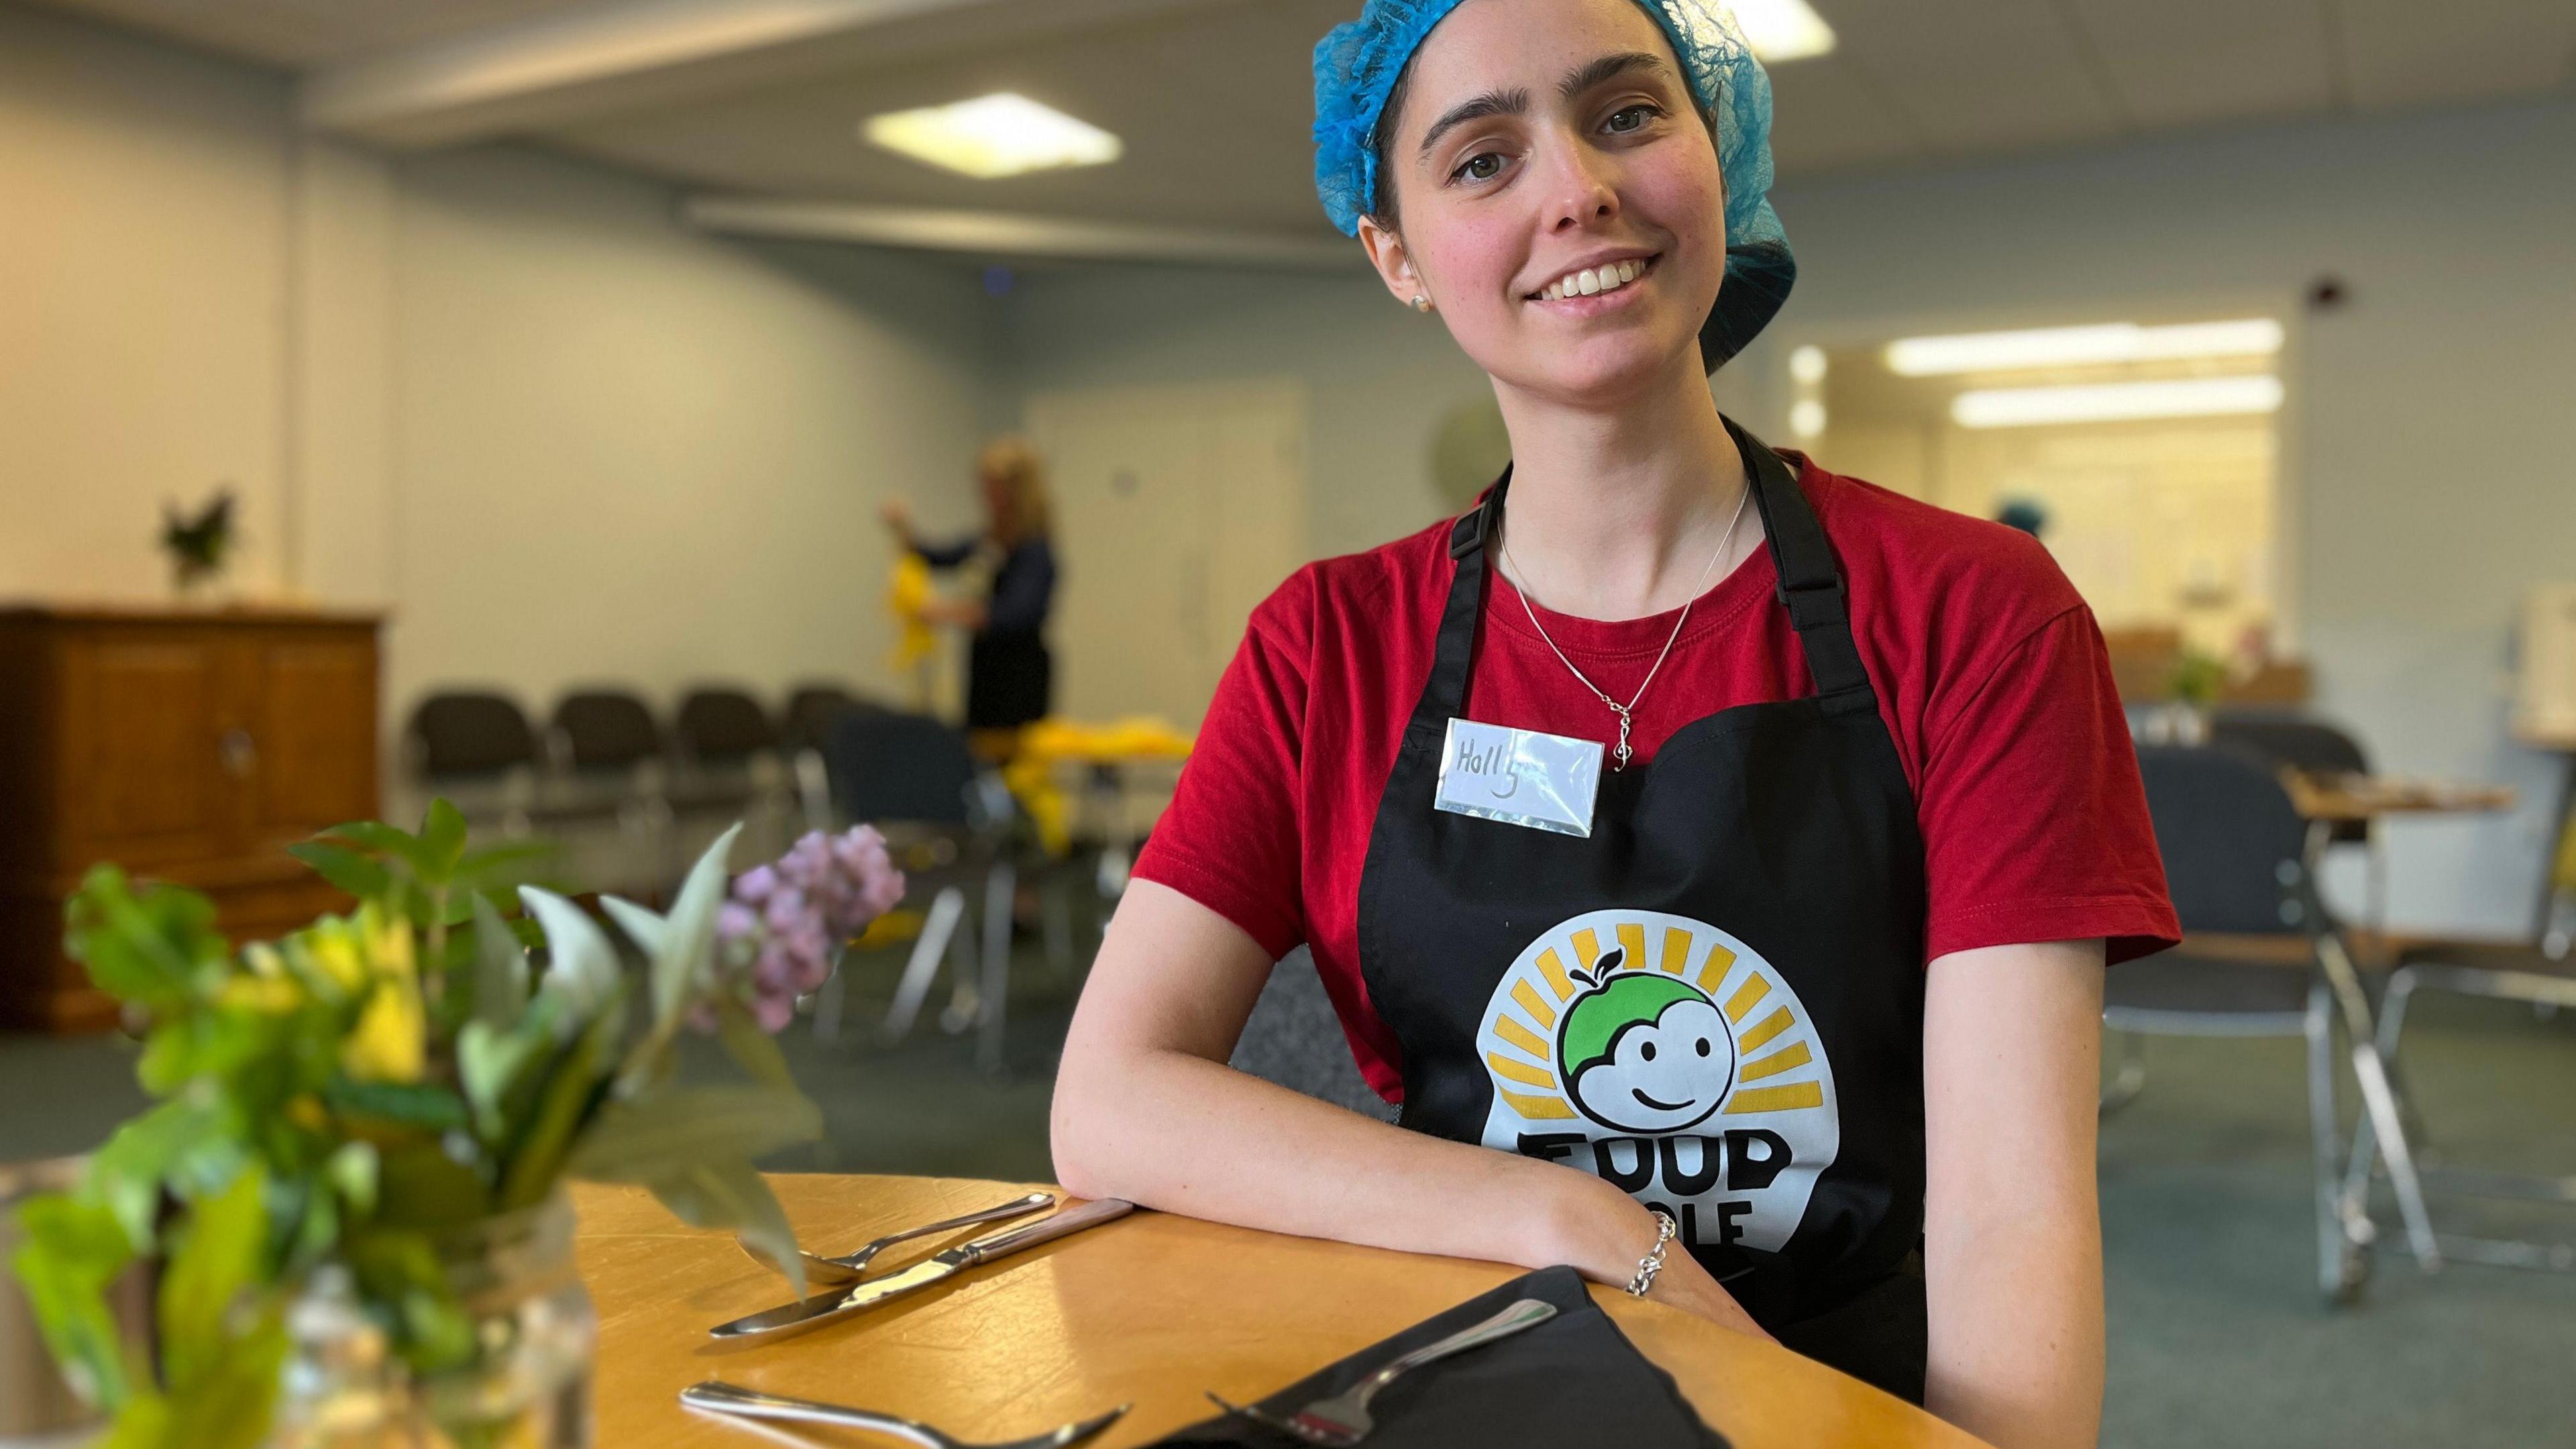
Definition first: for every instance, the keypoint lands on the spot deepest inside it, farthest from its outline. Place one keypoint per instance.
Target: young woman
(1715, 857)
(1009, 674)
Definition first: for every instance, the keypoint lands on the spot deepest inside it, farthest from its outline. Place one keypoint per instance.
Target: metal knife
(823, 1307)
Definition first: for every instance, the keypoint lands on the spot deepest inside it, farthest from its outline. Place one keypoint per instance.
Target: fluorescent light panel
(1782, 30)
(2201, 397)
(2076, 346)
(992, 136)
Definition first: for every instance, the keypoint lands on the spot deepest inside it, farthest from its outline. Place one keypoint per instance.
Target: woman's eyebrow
(1491, 103)
(1608, 68)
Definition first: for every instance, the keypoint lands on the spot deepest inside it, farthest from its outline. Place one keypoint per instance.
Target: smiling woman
(1784, 942)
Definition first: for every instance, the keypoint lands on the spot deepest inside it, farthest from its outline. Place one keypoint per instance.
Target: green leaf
(402, 1268)
(734, 1195)
(509, 864)
(216, 1263)
(679, 959)
(647, 930)
(355, 1172)
(489, 1061)
(418, 1105)
(645, 1140)
(153, 948)
(752, 1049)
(580, 962)
(128, 1171)
(231, 1403)
(418, 1184)
(71, 1254)
(377, 838)
(500, 968)
(574, 1085)
(442, 842)
(360, 875)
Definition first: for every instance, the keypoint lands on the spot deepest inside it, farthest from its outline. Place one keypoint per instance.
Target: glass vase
(526, 1387)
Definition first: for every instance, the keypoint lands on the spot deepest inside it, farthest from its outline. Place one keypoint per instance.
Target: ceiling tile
(1976, 76)
(2190, 62)
(2407, 53)
(1829, 116)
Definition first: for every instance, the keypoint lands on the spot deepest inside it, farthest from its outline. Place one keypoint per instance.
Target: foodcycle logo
(1669, 1058)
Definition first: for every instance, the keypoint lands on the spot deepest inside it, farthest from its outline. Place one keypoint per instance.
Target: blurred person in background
(1009, 674)
(1715, 857)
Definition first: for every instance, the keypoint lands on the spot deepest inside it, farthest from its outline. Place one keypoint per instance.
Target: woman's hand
(897, 515)
(1686, 1285)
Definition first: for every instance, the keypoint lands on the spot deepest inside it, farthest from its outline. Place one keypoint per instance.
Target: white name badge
(1520, 777)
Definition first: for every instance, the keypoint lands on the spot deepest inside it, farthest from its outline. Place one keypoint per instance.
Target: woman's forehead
(1526, 45)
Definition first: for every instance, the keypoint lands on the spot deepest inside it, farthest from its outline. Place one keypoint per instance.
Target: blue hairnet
(1357, 65)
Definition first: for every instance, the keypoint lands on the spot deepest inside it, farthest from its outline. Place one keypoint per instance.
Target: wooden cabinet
(190, 747)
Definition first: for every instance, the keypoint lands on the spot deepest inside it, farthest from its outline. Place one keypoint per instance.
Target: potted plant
(351, 1186)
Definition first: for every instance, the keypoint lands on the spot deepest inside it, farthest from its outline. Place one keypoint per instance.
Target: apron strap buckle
(1816, 605)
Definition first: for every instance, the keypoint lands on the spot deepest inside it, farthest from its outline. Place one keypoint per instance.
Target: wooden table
(1152, 1309)
(2338, 799)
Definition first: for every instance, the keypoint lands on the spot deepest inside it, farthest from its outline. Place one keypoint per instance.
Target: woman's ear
(1386, 252)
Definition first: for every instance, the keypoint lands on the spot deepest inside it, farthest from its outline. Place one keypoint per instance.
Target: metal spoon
(724, 1398)
(851, 1267)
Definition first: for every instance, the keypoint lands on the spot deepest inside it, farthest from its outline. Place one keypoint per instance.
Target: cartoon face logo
(1644, 1052)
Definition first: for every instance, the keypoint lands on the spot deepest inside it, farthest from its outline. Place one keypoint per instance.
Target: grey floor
(2217, 1335)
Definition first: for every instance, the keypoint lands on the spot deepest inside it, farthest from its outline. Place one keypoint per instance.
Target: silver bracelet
(1653, 1263)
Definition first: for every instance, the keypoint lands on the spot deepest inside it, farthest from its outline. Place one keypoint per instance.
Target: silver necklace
(1620, 756)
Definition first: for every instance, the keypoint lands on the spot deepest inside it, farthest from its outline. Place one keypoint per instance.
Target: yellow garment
(1051, 742)
(908, 594)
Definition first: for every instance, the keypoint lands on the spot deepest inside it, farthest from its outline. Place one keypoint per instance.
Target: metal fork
(1343, 1420)
(851, 1267)
(716, 1397)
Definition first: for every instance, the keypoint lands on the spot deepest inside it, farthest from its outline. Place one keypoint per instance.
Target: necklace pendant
(1619, 757)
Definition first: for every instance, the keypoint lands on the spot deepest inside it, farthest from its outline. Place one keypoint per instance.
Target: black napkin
(1574, 1379)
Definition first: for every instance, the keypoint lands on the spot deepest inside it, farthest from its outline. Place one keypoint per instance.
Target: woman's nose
(1578, 188)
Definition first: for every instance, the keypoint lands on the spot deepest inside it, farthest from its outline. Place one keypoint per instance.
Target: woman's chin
(1604, 371)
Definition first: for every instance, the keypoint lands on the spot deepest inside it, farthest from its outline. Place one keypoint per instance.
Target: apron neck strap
(1811, 589)
(1811, 582)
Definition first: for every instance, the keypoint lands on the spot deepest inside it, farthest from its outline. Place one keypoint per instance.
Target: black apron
(1716, 1000)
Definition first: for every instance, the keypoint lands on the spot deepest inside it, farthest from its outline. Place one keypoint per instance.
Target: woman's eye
(1484, 166)
(1632, 118)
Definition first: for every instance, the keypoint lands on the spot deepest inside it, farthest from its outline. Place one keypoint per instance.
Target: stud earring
(1421, 302)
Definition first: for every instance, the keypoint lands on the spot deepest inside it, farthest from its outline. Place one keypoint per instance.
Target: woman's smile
(1596, 288)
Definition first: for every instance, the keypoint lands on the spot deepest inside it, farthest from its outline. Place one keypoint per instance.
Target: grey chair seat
(2202, 985)
(2499, 957)
(1294, 1038)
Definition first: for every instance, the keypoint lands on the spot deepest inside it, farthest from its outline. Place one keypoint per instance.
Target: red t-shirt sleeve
(1229, 839)
(2035, 823)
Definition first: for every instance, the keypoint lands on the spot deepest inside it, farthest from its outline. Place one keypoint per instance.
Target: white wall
(505, 396)
(2430, 446)
(143, 212)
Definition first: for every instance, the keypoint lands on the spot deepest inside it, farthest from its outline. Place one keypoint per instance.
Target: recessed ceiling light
(2074, 346)
(1782, 30)
(1807, 365)
(992, 136)
(1807, 418)
(2119, 402)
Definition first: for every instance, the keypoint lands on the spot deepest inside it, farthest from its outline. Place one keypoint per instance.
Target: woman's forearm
(1188, 1135)
(1146, 1109)
(2017, 1341)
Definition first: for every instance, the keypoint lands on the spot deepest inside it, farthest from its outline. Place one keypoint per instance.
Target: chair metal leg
(814, 790)
(1000, 889)
(2341, 1265)
(829, 1001)
(965, 975)
(2131, 1078)
(2379, 1099)
(947, 909)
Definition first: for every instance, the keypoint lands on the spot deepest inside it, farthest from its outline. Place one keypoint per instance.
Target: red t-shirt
(1990, 671)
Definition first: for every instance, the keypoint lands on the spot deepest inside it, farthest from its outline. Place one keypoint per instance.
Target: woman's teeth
(1593, 281)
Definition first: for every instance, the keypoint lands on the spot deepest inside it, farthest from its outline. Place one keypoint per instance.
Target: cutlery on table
(851, 1267)
(859, 1297)
(724, 1398)
(1342, 1420)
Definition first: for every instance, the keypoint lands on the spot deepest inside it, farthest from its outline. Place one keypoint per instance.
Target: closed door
(145, 783)
(1178, 510)
(308, 720)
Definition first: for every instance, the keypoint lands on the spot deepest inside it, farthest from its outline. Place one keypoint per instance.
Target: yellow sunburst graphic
(1672, 1057)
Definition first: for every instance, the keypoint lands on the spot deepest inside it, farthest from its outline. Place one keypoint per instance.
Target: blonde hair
(1015, 467)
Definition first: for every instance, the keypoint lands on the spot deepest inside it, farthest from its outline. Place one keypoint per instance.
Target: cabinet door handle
(240, 753)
